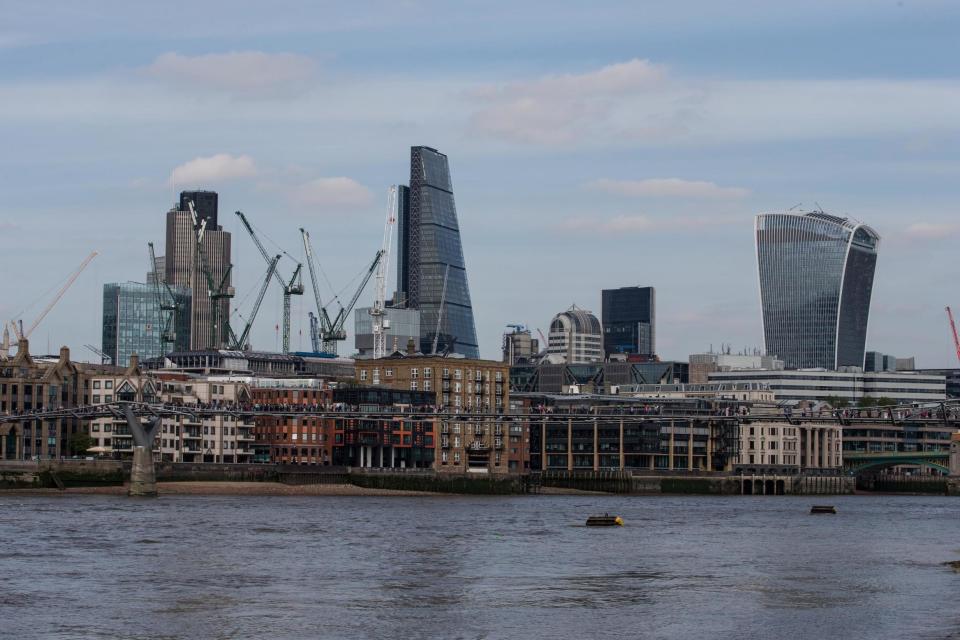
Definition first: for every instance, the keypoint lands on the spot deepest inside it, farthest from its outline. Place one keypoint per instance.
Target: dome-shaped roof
(581, 320)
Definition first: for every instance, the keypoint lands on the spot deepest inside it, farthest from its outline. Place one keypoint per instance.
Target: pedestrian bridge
(857, 462)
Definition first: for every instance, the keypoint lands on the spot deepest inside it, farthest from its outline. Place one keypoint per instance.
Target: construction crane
(104, 358)
(953, 328)
(168, 307)
(330, 332)
(314, 332)
(217, 291)
(292, 287)
(443, 299)
(240, 343)
(18, 330)
(379, 309)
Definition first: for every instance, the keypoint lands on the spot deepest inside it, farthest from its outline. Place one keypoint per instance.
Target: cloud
(332, 192)
(8, 226)
(931, 230)
(559, 109)
(668, 188)
(249, 73)
(627, 224)
(212, 169)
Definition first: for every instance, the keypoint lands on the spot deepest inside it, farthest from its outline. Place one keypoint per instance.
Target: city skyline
(667, 166)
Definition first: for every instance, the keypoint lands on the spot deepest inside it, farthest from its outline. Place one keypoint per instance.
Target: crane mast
(953, 328)
(443, 298)
(217, 292)
(293, 287)
(379, 309)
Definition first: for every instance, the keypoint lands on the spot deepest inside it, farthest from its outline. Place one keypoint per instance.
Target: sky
(591, 145)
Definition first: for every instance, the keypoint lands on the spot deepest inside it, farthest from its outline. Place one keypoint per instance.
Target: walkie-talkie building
(431, 273)
(816, 279)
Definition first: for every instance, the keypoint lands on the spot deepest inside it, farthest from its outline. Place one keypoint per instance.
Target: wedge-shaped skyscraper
(816, 279)
(431, 273)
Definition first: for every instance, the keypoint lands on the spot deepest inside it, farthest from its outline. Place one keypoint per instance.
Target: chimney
(64, 354)
(411, 347)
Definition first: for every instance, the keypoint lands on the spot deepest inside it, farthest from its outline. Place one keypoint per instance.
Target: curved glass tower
(816, 277)
(431, 272)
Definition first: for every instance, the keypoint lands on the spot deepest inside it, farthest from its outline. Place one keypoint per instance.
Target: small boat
(823, 508)
(606, 520)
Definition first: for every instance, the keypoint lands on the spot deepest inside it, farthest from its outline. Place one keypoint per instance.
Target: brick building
(469, 394)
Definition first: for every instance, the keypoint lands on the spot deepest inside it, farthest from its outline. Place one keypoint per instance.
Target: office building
(575, 337)
(816, 279)
(208, 322)
(133, 322)
(851, 386)
(205, 205)
(629, 321)
(159, 272)
(399, 325)
(703, 364)
(520, 347)
(431, 272)
(952, 377)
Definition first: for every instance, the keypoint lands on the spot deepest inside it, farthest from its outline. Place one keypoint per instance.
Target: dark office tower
(204, 203)
(816, 279)
(629, 321)
(182, 268)
(430, 265)
(400, 299)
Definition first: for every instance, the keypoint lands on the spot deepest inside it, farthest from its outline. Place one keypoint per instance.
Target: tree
(79, 443)
(884, 401)
(837, 402)
(866, 402)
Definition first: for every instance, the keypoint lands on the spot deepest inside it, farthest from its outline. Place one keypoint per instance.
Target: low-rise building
(458, 386)
(779, 447)
(39, 384)
(821, 384)
(703, 364)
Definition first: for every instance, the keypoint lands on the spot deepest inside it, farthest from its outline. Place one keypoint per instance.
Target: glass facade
(133, 321)
(403, 325)
(429, 252)
(816, 278)
(629, 321)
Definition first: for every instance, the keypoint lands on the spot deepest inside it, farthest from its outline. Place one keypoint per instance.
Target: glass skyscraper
(629, 321)
(816, 278)
(133, 321)
(429, 253)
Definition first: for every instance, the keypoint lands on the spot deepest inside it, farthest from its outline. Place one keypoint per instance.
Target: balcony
(477, 446)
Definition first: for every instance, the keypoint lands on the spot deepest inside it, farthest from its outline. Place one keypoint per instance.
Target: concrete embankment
(78, 473)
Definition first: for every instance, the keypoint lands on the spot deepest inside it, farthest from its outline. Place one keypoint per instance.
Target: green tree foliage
(79, 443)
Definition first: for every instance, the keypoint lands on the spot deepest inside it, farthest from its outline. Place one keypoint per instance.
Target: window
(414, 373)
(427, 372)
(363, 374)
(96, 384)
(388, 373)
(108, 384)
(457, 374)
(413, 385)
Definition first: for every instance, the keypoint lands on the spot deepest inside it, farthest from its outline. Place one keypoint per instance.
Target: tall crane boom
(443, 299)
(379, 311)
(323, 320)
(293, 287)
(240, 343)
(953, 328)
(43, 314)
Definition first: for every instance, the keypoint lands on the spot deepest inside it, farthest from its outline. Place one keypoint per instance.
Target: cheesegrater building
(816, 279)
(431, 272)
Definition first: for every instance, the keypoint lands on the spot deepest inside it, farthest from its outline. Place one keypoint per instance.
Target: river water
(470, 567)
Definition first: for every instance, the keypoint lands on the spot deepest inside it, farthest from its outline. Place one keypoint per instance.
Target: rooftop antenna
(819, 208)
(795, 206)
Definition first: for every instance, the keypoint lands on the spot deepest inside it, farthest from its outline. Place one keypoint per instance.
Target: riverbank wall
(721, 484)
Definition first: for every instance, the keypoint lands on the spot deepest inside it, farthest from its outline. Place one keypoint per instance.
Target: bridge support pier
(143, 473)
